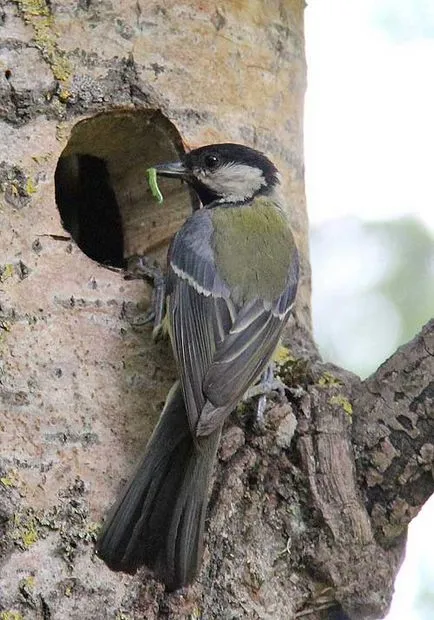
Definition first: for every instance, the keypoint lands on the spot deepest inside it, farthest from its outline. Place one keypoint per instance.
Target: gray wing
(220, 348)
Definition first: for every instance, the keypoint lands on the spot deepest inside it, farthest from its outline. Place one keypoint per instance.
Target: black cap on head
(225, 173)
(229, 152)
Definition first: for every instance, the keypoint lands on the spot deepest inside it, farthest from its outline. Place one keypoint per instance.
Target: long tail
(159, 520)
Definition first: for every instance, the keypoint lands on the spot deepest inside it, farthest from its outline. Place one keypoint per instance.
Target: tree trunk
(310, 514)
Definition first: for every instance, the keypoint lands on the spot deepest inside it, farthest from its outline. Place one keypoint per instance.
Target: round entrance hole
(101, 187)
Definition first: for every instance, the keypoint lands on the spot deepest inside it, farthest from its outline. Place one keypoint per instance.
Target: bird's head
(224, 173)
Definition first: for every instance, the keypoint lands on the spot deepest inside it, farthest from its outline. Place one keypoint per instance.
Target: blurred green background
(372, 288)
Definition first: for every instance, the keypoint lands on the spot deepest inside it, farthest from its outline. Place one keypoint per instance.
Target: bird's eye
(211, 162)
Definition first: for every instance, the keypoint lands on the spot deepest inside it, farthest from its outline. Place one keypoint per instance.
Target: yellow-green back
(253, 247)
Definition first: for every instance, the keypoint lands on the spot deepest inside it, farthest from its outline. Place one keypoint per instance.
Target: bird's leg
(266, 385)
(142, 267)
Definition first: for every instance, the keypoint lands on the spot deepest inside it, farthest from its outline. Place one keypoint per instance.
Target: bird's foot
(267, 385)
(147, 269)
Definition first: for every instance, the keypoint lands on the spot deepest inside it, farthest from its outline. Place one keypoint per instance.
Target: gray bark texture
(306, 516)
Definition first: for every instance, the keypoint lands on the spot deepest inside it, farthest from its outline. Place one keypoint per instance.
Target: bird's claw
(144, 319)
(264, 388)
(143, 267)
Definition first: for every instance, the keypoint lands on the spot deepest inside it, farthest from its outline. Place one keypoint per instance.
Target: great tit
(233, 271)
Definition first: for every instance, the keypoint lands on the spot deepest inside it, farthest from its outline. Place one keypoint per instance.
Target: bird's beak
(174, 169)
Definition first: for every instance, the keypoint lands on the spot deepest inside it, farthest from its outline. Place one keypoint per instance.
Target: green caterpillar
(152, 180)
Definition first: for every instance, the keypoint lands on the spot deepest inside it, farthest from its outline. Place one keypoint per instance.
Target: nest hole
(101, 188)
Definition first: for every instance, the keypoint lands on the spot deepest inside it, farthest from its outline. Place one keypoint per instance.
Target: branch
(393, 435)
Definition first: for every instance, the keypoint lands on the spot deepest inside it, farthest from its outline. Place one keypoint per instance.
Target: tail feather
(159, 519)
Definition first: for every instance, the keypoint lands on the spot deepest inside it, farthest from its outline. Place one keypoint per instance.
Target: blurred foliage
(404, 20)
(409, 281)
(373, 288)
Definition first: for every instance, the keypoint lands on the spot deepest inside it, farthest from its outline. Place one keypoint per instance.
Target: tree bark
(306, 516)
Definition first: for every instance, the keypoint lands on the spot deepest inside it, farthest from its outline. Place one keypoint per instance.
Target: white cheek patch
(235, 182)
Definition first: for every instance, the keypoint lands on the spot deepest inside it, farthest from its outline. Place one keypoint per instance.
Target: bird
(232, 276)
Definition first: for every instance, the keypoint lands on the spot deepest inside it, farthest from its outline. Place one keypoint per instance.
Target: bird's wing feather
(249, 344)
(200, 309)
(193, 339)
(220, 348)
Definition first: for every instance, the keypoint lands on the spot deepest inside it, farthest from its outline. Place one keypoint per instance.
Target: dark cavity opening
(89, 208)
(101, 187)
